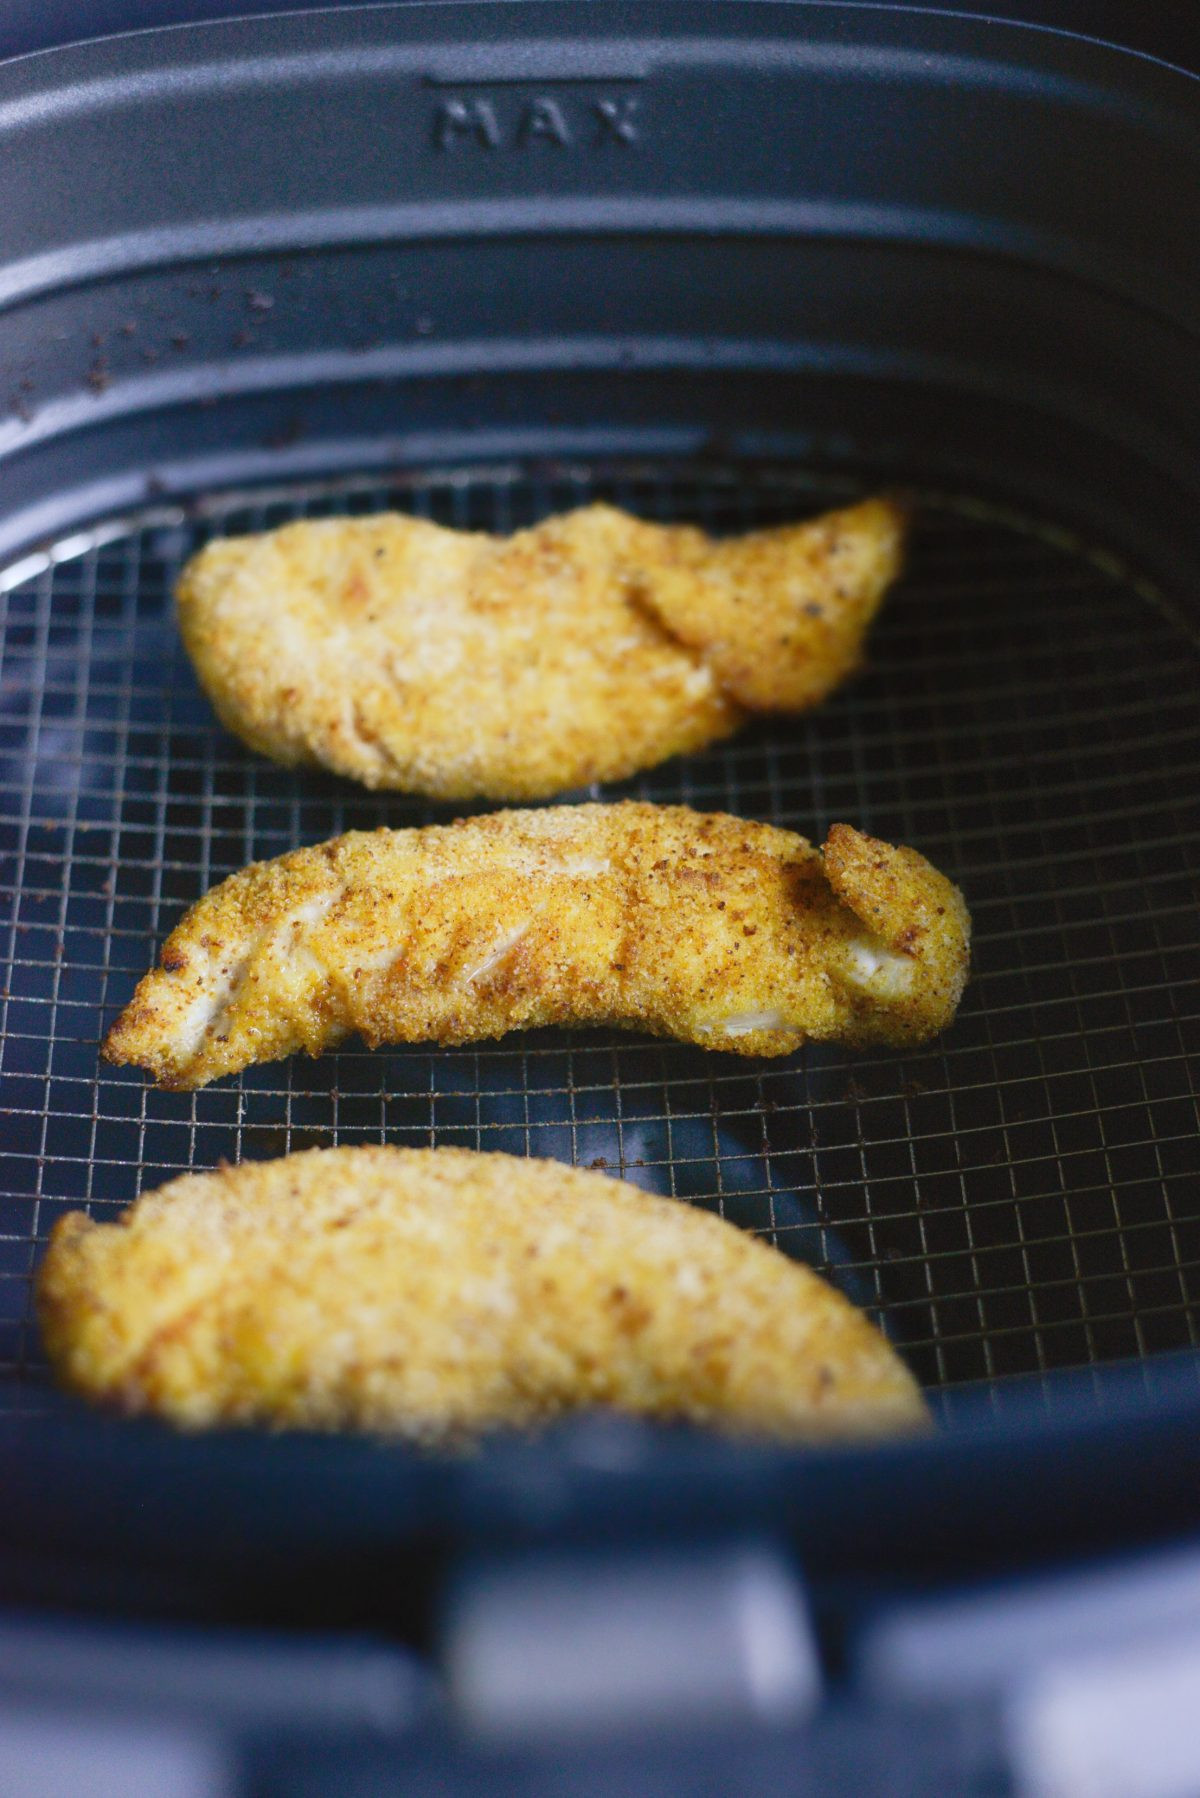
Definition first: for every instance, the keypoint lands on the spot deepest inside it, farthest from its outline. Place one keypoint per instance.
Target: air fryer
(725, 262)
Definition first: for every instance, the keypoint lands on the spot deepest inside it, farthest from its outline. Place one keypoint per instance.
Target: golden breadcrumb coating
(438, 1293)
(694, 925)
(463, 665)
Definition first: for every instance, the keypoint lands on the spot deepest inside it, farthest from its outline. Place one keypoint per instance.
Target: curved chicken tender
(699, 926)
(434, 1293)
(460, 665)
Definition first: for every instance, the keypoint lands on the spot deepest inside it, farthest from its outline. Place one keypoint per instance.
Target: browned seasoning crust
(460, 665)
(708, 928)
(437, 1293)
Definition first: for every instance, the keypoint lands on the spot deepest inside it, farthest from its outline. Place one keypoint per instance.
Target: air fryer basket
(713, 263)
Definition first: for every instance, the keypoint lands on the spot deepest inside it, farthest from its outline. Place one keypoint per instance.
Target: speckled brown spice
(437, 1294)
(461, 665)
(711, 929)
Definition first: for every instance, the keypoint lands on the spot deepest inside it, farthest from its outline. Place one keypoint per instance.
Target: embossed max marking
(497, 121)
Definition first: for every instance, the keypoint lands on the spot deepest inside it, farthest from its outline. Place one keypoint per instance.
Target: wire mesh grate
(1020, 1195)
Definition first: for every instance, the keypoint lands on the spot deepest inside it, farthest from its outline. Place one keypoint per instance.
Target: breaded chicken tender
(693, 925)
(462, 665)
(436, 1294)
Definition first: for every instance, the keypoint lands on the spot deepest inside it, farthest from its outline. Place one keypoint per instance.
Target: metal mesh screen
(1021, 1195)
